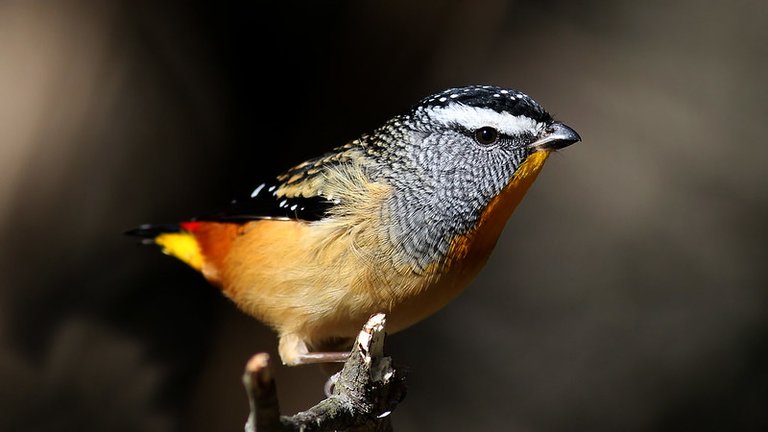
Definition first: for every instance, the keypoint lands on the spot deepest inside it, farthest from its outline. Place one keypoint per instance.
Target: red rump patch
(215, 240)
(190, 226)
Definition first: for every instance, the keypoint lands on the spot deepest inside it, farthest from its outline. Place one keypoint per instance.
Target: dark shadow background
(628, 291)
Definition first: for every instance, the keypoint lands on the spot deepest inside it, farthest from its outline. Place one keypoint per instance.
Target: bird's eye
(486, 135)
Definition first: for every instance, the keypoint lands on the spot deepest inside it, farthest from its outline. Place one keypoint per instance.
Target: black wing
(297, 194)
(265, 203)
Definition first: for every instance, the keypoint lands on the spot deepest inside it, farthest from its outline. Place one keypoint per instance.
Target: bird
(398, 221)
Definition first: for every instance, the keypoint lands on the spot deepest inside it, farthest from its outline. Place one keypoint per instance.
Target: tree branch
(365, 393)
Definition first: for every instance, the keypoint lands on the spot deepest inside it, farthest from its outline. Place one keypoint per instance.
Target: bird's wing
(297, 194)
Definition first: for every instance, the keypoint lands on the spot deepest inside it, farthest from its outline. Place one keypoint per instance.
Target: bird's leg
(323, 357)
(293, 352)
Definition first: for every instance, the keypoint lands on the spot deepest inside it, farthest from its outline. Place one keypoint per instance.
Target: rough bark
(366, 391)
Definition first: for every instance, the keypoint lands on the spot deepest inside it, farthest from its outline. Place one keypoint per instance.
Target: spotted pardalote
(398, 221)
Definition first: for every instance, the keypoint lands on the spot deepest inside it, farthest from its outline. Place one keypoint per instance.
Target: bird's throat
(480, 241)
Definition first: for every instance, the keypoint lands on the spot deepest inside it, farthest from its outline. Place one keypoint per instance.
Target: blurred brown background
(628, 292)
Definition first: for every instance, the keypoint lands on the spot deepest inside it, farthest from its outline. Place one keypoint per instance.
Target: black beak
(556, 136)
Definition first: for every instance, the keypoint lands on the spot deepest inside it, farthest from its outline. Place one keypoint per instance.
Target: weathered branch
(262, 395)
(365, 393)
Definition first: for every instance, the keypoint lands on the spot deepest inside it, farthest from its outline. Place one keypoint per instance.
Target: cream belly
(312, 282)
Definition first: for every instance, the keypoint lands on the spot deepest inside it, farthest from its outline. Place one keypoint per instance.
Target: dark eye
(486, 135)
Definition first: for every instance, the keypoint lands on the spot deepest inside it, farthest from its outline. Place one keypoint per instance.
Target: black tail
(148, 232)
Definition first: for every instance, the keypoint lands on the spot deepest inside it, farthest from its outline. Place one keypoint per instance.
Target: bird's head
(475, 129)
(454, 153)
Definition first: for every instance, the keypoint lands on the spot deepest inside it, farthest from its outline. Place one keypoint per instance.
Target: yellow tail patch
(183, 246)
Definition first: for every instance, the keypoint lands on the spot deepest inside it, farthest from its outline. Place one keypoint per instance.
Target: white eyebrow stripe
(474, 118)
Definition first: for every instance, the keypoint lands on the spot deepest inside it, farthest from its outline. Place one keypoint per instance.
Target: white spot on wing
(257, 190)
